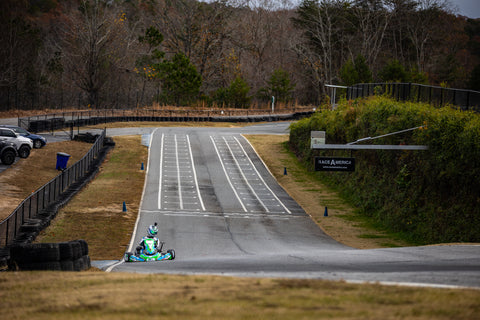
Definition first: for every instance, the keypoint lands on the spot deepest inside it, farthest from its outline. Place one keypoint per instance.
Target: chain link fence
(48, 194)
(437, 96)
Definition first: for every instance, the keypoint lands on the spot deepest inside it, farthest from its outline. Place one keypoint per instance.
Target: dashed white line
(263, 181)
(195, 174)
(226, 175)
(243, 175)
(161, 174)
(179, 181)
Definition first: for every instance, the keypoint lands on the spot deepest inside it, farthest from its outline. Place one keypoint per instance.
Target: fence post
(7, 232)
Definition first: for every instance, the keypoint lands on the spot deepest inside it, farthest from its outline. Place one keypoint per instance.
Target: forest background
(225, 53)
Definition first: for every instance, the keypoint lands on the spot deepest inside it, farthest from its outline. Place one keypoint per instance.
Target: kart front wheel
(172, 253)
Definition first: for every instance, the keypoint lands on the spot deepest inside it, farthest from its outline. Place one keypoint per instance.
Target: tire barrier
(58, 122)
(46, 125)
(63, 256)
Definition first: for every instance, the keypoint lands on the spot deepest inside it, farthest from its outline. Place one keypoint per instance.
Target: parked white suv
(23, 145)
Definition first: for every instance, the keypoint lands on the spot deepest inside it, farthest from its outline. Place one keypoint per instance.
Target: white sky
(469, 8)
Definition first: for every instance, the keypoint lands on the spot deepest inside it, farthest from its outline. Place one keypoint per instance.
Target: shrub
(431, 196)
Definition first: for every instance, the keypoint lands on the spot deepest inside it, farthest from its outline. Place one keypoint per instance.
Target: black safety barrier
(63, 256)
(56, 121)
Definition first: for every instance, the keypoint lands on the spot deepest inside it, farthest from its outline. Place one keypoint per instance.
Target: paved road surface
(223, 213)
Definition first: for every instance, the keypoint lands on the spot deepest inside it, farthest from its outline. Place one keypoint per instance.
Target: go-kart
(148, 252)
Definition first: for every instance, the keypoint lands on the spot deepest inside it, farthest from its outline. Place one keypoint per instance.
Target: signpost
(317, 142)
(317, 138)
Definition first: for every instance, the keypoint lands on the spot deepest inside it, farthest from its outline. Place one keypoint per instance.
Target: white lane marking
(134, 234)
(226, 175)
(179, 181)
(243, 175)
(258, 174)
(161, 174)
(242, 215)
(195, 173)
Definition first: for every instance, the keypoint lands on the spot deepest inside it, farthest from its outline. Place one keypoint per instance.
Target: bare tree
(197, 29)
(423, 29)
(322, 23)
(20, 42)
(371, 22)
(94, 43)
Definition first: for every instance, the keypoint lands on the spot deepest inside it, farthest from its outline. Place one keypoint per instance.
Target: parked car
(38, 141)
(8, 152)
(23, 145)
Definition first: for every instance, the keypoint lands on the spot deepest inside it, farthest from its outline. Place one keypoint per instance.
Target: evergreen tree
(279, 86)
(180, 81)
(348, 74)
(355, 72)
(393, 72)
(474, 82)
(236, 95)
(363, 71)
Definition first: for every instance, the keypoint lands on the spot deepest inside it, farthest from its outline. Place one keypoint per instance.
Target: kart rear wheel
(127, 256)
(172, 253)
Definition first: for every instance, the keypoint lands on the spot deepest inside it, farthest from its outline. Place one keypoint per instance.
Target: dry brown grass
(27, 175)
(95, 295)
(96, 213)
(342, 224)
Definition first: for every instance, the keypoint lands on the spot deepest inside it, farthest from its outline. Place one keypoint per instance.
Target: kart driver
(151, 234)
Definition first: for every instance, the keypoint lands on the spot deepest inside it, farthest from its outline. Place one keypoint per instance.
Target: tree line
(225, 53)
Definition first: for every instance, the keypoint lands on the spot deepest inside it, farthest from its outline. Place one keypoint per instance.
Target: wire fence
(48, 194)
(438, 96)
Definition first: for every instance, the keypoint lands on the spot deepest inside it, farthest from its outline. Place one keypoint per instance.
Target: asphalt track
(222, 211)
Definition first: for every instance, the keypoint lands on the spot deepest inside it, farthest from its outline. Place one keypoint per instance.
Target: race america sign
(334, 164)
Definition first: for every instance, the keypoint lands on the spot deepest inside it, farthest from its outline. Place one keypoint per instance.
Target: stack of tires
(63, 256)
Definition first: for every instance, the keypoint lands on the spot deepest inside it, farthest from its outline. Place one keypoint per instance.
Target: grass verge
(96, 213)
(96, 295)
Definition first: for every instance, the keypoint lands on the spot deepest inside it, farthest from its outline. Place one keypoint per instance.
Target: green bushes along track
(430, 196)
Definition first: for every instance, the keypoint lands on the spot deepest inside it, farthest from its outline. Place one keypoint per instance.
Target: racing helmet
(153, 230)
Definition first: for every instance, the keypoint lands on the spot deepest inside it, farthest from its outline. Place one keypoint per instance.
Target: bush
(431, 196)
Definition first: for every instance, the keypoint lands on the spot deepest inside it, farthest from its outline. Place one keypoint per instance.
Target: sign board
(317, 137)
(146, 140)
(334, 164)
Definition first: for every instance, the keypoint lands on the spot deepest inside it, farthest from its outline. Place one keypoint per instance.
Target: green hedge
(431, 196)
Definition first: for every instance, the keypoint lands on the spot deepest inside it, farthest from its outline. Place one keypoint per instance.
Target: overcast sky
(469, 8)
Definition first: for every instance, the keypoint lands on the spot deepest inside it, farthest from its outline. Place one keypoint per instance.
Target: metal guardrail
(48, 194)
(438, 96)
